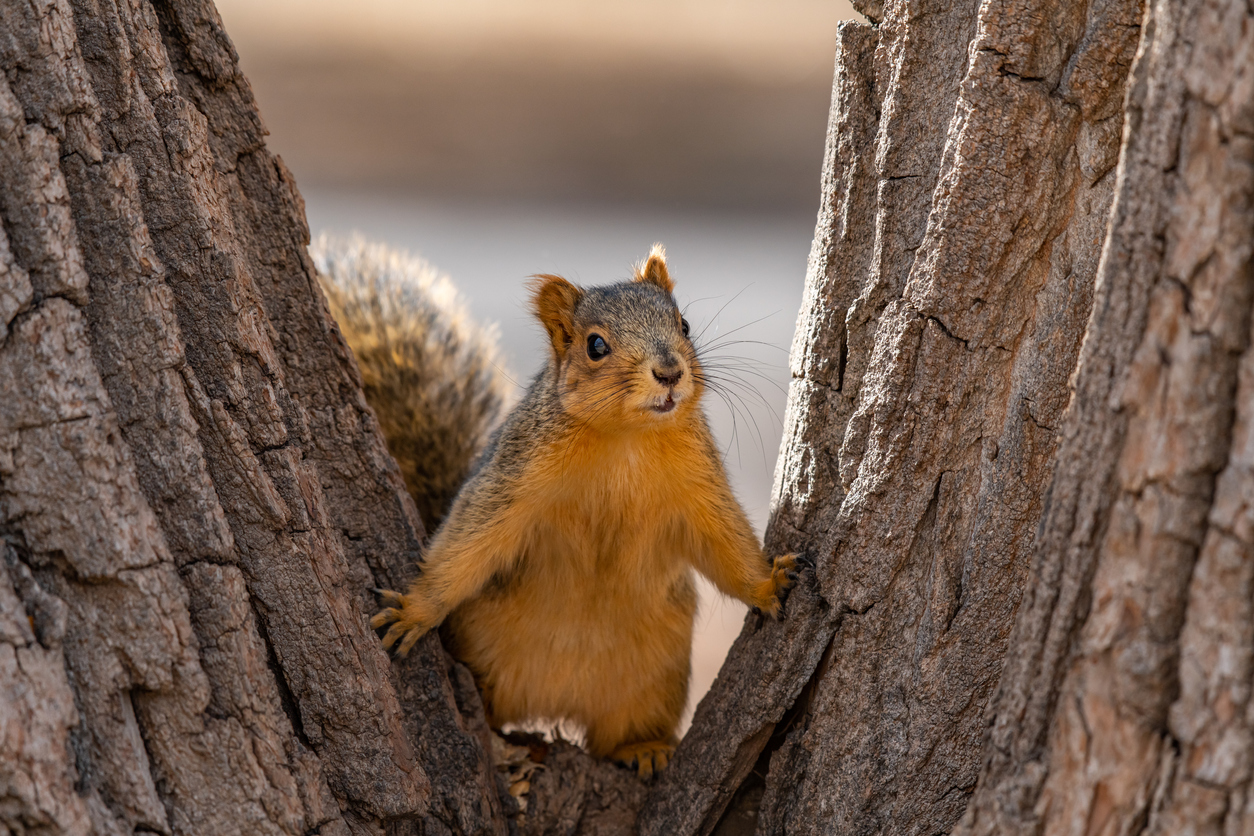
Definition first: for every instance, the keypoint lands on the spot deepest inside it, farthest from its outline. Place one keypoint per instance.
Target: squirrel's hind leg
(644, 734)
(648, 757)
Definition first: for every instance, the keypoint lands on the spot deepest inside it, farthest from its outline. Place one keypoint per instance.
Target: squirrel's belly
(550, 646)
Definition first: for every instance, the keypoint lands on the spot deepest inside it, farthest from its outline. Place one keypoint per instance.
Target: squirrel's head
(622, 353)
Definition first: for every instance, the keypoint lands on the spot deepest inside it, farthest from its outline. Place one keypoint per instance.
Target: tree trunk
(194, 498)
(968, 187)
(1018, 447)
(1125, 705)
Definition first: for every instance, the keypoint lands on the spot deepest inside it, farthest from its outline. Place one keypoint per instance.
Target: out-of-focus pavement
(503, 139)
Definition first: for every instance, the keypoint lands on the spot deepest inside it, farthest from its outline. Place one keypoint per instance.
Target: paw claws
(390, 598)
(393, 634)
(646, 758)
(407, 620)
(384, 618)
(411, 638)
(785, 572)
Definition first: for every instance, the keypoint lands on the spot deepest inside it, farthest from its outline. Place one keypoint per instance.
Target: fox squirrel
(563, 572)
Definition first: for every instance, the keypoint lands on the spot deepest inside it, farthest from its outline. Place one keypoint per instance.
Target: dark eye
(597, 346)
(683, 324)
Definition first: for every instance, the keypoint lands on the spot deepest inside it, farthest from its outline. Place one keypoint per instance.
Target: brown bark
(1031, 610)
(194, 496)
(969, 172)
(1125, 700)
(1125, 706)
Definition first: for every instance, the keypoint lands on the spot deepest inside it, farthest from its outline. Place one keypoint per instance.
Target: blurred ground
(504, 139)
(693, 104)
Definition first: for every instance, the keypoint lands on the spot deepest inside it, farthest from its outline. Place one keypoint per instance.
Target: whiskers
(603, 396)
(736, 379)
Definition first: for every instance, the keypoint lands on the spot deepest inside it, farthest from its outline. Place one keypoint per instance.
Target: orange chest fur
(614, 505)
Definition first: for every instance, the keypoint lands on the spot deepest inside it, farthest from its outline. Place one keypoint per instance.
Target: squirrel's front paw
(408, 616)
(784, 570)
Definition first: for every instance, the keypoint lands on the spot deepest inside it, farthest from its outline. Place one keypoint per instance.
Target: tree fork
(1032, 604)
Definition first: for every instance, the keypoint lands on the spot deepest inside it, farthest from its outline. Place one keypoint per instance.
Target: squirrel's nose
(668, 378)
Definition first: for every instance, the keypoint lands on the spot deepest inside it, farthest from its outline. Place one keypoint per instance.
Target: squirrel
(563, 572)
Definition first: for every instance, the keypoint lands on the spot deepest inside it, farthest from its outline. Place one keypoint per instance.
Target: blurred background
(500, 139)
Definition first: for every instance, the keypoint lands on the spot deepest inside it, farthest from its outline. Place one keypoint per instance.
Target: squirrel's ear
(553, 300)
(654, 271)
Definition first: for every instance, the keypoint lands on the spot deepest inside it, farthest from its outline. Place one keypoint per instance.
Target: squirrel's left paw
(409, 620)
(784, 570)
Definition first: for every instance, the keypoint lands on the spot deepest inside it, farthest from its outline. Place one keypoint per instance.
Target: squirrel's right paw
(408, 616)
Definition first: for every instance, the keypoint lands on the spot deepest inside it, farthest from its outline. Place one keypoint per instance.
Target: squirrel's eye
(683, 324)
(597, 346)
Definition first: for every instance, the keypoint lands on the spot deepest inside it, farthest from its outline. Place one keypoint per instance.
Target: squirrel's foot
(773, 590)
(408, 618)
(647, 758)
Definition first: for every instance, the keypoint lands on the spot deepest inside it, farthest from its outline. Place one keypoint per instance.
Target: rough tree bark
(194, 498)
(969, 176)
(970, 169)
(1019, 445)
(1125, 706)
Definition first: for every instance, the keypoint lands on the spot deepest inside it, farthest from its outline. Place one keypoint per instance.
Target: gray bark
(1018, 448)
(1125, 701)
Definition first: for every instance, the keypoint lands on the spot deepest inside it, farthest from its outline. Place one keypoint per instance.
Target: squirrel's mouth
(665, 406)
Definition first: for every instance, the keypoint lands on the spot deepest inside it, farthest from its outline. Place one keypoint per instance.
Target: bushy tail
(431, 374)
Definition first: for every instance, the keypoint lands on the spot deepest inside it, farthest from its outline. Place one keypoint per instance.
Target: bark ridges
(967, 183)
(1019, 447)
(188, 469)
(1124, 706)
